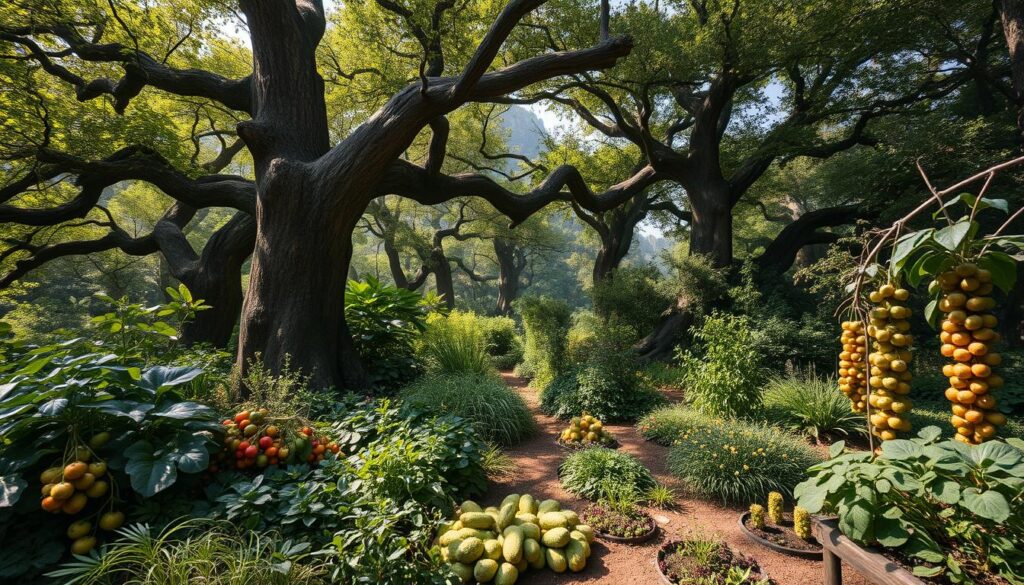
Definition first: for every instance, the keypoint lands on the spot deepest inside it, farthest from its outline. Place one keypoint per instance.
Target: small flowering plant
(708, 561)
(617, 513)
(740, 463)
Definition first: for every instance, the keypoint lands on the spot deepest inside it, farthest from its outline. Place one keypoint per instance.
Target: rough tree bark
(511, 263)
(311, 196)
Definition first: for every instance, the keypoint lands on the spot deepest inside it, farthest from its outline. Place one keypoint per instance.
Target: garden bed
(878, 568)
(780, 538)
(600, 518)
(580, 445)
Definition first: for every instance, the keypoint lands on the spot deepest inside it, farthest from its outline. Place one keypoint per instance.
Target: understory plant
(617, 512)
(955, 510)
(608, 386)
(594, 473)
(738, 462)
(454, 344)
(810, 405)
(724, 377)
(545, 323)
(196, 551)
(385, 322)
(666, 424)
(496, 411)
(501, 341)
(701, 560)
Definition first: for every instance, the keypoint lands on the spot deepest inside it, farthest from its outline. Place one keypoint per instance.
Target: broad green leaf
(995, 454)
(857, 521)
(890, 532)
(191, 453)
(11, 488)
(151, 471)
(945, 491)
(906, 246)
(931, 313)
(901, 449)
(164, 376)
(950, 237)
(1003, 268)
(184, 410)
(988, 504)
(836, 449)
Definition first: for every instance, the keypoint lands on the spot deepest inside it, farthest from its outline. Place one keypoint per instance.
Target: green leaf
(931, 313)
(151, 471)
(11, 488)
(836, 449)
(951, 237)
(164, 376)
(191, 453)
(923, 571)
(857, 521)
(930, 434)
(1003, 268)
(996, 454)
(945, 491)
(906, 246)
(890, 532)
(988, 504)
(901, 449)
(184, 410)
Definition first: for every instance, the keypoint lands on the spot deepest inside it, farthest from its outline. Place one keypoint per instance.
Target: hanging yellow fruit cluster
(889, 360)
(967, 336)
(853, 380)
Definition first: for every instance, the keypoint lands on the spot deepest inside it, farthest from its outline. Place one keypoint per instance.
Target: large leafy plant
(59, 395)
(954, 509)
(385, 322)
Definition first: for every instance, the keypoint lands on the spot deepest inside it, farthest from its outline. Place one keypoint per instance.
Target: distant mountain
(527, 131)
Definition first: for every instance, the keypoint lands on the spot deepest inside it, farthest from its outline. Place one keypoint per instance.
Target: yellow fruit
(966, 397)
(78, 529)
(75, 470)
(986, 401)
(977, 348)
(85, 482)
(74, 504)
(111, 520)
(51, 475)
(98, 489)
(82, 546)
(62, 490)
(966, 269)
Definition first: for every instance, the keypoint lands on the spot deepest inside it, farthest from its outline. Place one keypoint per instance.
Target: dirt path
(614, 564)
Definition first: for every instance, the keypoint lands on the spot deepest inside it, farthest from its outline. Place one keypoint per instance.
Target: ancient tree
(311, 188)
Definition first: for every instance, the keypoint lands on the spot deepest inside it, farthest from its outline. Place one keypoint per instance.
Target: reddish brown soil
(614, 564)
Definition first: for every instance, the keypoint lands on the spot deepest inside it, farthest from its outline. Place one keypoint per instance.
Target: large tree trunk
(711, 227)
(218, 281)
(511, 262)
(671, 327)
(442, 270)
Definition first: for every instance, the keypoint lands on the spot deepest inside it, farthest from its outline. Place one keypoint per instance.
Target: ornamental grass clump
(666, 424)
(739, 463)
(591, 473)
(497, 413)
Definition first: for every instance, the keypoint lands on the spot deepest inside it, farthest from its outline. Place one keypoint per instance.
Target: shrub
(545, 323)
(496, 411)
(662, 375)
(502, 341)
(725, 378)
(666, 424)
(954, 510)
(736, 462)
(631, 296)
(607, 387)
(454, 344)
(593, 473)
(385, 322)
(811, 406)
(196, 551)
(581, 337)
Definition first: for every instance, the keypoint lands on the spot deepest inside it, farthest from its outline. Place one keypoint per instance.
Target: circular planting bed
(634, 527)
(580, 445)
(780, 539)
(682, 561)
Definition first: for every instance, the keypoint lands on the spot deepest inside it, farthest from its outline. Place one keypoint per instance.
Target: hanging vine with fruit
(964, 266)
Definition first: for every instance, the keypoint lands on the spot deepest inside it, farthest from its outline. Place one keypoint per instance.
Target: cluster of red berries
(253, 440)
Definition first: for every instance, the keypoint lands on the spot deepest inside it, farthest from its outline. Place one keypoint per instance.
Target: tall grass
(455, 344)
(812, 406)
(195, 551)
(737, 462)
(593, 473)
(497, 413)
(664, 425)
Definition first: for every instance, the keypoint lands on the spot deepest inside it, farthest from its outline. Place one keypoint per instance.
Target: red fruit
(244, 423)
(310, 458)
(273, 460)
(252, 451)
(266, 442)
(307, 431)
(228, 421)
(334, 447)
(271, 452)
(240, 454)
(241, 416)
(319, 449)
(243, 445)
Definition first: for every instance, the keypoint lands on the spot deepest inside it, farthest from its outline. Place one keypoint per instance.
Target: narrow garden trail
(536, 472)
